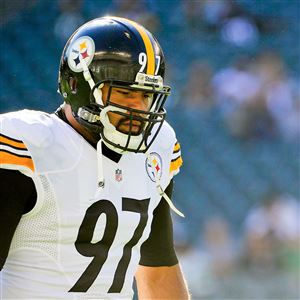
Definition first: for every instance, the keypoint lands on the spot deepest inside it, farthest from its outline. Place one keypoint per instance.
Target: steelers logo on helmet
(82, 50)
(154, 166)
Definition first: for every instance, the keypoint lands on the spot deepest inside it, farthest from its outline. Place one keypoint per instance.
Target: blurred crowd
(256, 96)
(261, 262)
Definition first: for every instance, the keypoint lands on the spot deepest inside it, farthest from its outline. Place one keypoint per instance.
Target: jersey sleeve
(158, 249)
(14, 153)
(176, 160)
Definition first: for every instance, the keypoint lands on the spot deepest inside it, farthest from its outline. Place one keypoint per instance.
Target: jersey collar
(112, 155)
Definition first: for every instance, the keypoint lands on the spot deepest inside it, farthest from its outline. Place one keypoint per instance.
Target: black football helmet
(123, 54)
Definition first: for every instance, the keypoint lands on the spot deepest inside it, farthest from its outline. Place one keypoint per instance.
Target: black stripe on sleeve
(14, 147)
(176, 158)
(8, 137)
(176, 151)
(12, 153)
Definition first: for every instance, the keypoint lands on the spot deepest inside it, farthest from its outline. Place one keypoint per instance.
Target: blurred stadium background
(235, 104)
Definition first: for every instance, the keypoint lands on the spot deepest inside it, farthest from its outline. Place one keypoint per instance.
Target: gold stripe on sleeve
(12, 142)
(11, 159)
(176, 164)
(176, 147)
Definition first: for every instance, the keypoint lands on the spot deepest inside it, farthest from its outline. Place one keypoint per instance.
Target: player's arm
(161, 283)
(18, 196)
(159, 275)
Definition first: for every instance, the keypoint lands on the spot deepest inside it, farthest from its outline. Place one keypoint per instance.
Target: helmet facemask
(142, 126)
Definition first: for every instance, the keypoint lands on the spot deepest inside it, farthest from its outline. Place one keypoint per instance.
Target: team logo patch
(154, 166)
(83, 49)
(118, 175)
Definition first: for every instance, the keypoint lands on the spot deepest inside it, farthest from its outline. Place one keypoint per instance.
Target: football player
(86, 191)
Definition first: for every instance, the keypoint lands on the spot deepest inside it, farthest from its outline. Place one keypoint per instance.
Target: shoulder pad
(166, 137)
(38, 135)
(31, 126)
(166, 141)
(16, 133)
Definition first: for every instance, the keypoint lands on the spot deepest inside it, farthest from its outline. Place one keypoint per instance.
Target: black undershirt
(18, 196)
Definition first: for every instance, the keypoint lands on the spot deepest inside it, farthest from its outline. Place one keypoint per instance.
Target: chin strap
(100, 165)
(88, 77)
(86, 115)
(160, 189)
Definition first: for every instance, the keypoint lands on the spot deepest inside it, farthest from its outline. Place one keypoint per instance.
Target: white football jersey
(79, 241)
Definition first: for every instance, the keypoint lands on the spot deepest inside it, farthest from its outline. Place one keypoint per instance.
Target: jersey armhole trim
(39, 196)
